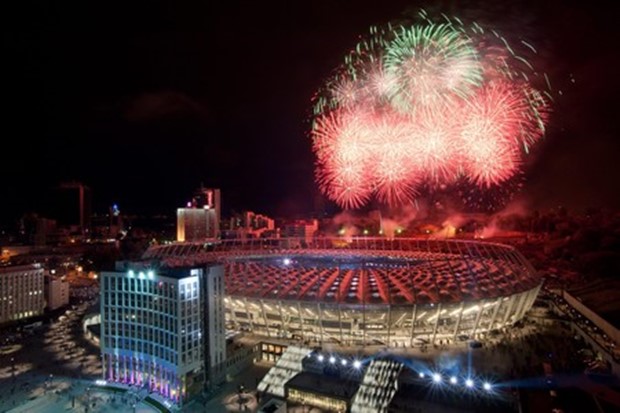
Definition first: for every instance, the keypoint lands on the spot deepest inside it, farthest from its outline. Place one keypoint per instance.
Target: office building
(200, 219)
(163, 328)
(21, 292)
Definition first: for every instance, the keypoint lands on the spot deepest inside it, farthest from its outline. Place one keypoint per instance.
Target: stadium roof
(419, 270)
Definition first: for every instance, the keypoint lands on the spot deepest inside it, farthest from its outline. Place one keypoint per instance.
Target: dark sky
(145, 101)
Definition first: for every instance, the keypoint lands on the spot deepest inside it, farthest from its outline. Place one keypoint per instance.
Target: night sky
(143, 101)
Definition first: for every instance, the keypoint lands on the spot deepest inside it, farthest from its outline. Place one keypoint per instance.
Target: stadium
(366, 291)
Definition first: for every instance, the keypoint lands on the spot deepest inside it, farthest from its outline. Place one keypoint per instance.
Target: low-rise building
(56, 293)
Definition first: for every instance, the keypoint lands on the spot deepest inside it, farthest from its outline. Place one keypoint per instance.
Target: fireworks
(425, 105)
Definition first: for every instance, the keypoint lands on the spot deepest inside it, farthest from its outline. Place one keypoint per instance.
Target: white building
(21, 292)
(163, 328)
(200, 220)
(56, 293)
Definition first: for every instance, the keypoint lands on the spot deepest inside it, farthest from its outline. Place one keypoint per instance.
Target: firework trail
(425, 105)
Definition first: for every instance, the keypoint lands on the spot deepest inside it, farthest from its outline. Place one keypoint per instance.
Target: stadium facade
(366, 291)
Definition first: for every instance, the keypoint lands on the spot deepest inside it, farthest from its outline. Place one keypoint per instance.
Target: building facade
(162, 328)
(56, 293)
(21, 292)
(249, 224)
(200, 220)
(301, 229)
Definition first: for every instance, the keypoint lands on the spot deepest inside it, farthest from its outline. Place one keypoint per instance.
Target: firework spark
(425, 105)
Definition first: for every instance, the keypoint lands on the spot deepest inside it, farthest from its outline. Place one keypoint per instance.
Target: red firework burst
(433, 109)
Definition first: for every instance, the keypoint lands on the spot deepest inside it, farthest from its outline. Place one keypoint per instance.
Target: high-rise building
(200, 219)
(163, 328)
(21, 292)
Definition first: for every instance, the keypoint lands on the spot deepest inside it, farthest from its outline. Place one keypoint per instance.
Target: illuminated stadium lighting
(471, 309)
(357, 364)
(453, 380)
(343, 362)
(437, 377)
(421, 375)
(320, 358)
(286, 261)
(486, 386)
(151, 274)
(469, 383)
(332, 359)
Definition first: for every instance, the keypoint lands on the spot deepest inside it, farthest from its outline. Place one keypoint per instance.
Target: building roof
(146, 266)
(364, 270)
(416, 278)
(22, 267)
(336, 387)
